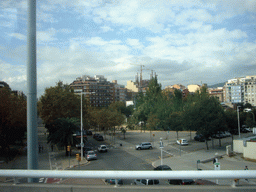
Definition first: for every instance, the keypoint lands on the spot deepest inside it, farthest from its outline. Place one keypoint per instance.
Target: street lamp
(82, 136)
(238, 121)
(161, 147)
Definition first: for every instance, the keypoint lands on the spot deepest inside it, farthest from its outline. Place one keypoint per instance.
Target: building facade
(98, 91)
(240, 90)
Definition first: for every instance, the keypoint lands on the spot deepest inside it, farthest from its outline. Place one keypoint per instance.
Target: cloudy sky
(183, 41)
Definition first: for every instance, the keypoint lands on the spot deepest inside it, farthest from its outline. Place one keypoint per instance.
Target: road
(119, 159)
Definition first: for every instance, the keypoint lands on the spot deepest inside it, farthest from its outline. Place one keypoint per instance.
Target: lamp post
(161, 147)
(238, 121)
(82, 136)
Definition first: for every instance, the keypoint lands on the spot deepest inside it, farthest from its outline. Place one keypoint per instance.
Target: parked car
(144, 145)
(218, 135)
(182, 142)
(181, 181)
(199, 138)
(88, 132)
(146, 182)
(86, 149)
(113, 181)
(91, 155)
(227, 134)
(102, 148)
(245, 130)
(95, 135)
(162, 168)
(99, 138)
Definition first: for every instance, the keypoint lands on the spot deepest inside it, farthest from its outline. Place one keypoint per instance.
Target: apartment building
(217, 92)
(120, 92)
(98, 90)
(240, 90)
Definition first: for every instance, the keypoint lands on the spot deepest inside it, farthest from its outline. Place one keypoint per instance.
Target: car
(95, 135)
(218, 136)
(182, 142)
(144, 145)
(91, 155)
(113, 181)
(181, 181)
(199, 138)
(162, 168)
(146, 182)
(227, 134)
(99, 138)
(86, 149)
(88, 132)
(102, 148)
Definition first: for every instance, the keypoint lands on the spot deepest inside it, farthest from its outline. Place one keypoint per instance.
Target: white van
(146, 182)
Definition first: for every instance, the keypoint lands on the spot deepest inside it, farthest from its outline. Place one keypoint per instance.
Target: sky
(182, 41)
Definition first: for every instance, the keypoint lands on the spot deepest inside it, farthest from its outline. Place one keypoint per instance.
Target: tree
(59, 102)
(61, 131)
(150, 103)
(205, 115)
(13, 120)
(175, 122)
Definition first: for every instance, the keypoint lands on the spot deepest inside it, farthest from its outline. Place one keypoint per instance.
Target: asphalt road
(119, 159)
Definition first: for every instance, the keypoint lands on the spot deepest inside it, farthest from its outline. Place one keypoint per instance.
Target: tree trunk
(206, 142)
(177, 134)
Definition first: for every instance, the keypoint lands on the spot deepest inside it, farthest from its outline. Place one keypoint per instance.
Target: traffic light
(78, 157)
(68, 148)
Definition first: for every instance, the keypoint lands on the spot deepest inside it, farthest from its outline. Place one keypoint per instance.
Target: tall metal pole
(82, 143)
(238, 121)
(32, 138)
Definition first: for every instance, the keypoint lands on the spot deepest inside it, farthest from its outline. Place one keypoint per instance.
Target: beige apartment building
(193, 88)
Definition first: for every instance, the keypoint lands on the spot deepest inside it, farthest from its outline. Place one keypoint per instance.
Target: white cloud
(18, 36)
(106, 29)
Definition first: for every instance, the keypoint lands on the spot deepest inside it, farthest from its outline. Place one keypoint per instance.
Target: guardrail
(203, 174)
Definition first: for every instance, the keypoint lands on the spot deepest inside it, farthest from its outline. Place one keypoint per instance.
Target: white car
(182, 142)
(102, 148)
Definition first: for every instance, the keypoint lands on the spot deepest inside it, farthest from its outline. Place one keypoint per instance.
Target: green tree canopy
(60, 102)
(13, 119)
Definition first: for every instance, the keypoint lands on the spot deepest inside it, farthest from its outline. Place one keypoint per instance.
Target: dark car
(99, 138)
(199, 138)
(162, 168)
(95, 135)
(181, 181)
(88, 132)
(113, 181)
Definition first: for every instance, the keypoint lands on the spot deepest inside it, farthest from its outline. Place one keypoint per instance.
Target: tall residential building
(120, 92)
(100, 92)
(240, 90)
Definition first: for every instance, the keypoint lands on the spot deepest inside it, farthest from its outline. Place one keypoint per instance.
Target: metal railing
(227, 174)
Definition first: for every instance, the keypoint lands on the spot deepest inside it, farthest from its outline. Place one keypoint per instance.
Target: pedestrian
(246, 168)
(39, 148)
(42, 148)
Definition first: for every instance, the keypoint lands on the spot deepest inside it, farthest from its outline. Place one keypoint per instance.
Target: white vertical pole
(32, 137)
(82, 155)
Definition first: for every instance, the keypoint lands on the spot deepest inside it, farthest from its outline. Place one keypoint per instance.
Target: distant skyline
(184, 42)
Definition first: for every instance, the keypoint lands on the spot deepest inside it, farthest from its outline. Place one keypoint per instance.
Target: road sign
(216, 166)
